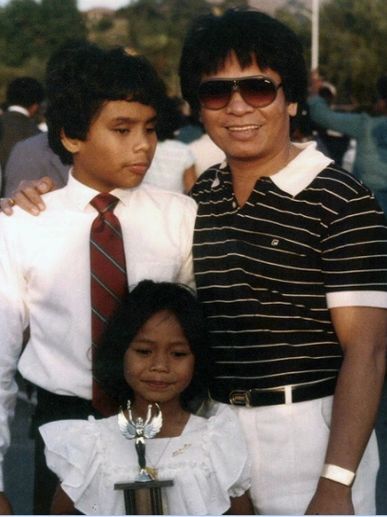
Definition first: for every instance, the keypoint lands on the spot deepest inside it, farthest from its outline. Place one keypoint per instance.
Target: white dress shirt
(45, 281)
(172, 158)
(206, 153)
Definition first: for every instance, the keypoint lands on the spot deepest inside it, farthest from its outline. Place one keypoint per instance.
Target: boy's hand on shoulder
(331, 498)
(5, 505)
(28, 196)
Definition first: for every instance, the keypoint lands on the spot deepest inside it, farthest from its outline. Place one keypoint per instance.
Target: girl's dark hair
(142, 303)
(81, 77)
(248, 33)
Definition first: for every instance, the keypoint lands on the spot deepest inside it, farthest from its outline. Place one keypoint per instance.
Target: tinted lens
(215, 94)
(258, 92)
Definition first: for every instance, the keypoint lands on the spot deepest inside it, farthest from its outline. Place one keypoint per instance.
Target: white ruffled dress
(208, 463)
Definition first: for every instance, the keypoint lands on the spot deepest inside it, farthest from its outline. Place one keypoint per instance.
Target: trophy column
(144, 495)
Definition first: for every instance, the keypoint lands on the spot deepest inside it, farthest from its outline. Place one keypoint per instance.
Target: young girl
(154, 351)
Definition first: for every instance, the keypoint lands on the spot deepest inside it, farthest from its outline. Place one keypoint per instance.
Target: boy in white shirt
(102, 115)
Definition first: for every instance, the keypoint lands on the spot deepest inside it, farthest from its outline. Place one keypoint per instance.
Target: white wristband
(338, 474)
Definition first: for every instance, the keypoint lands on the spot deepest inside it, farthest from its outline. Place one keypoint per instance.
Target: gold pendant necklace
(153, 470)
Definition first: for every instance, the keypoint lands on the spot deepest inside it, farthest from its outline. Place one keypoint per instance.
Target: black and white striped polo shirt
(268, 271)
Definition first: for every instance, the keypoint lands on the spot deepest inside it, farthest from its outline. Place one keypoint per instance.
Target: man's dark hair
(142, 303)
(24, 91)
(248, 33)
(82, 77)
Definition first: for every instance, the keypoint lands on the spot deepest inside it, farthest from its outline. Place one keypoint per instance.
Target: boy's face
(119, 146)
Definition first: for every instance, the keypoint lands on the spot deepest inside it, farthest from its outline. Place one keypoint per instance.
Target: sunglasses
(257, 91)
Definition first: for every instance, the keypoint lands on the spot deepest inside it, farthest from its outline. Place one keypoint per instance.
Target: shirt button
(234, 204)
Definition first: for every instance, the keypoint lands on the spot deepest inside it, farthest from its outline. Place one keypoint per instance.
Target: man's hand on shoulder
(5, 505)
(331, 498)
(28, 196)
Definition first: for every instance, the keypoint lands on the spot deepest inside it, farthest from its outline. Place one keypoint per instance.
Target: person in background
(24, 97)
(190, 128)
(31, 159)
(206, 153)
(332, 143)
(172, 166)
(369, 131)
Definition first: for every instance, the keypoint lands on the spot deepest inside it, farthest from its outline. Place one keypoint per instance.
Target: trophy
(143, 496)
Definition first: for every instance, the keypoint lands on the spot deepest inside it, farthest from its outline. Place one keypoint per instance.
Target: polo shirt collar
(296, 175)
(301, 171)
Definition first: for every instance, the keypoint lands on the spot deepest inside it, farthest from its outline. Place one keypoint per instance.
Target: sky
(84, 5)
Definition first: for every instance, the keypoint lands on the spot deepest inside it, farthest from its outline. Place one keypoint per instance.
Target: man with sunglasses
(290, 263)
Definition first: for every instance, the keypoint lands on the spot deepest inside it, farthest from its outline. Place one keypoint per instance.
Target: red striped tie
(108, 281)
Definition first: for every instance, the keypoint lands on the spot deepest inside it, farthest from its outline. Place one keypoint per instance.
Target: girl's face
(159, 364)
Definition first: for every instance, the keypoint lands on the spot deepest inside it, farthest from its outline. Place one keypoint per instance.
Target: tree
(31, 29)
(60, 21)
(296, 16)
(353, 35)
(157, 29)
(353, 39)
(19, 29)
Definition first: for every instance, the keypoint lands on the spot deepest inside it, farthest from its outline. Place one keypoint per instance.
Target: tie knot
(104, 202)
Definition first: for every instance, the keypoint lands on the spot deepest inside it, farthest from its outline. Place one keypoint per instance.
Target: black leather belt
(272, 396)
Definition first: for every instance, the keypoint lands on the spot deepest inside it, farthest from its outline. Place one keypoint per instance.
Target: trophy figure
(143, 496)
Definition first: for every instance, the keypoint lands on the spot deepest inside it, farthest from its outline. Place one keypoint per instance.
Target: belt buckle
(240, 398)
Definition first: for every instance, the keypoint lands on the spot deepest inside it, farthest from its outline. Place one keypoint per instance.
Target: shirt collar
(296, 175)
(19, 109)
(302, 170)
(80, 194)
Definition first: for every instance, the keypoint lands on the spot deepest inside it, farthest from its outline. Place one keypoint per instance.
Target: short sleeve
(354, 250)
(208, 463)
(73, 454)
